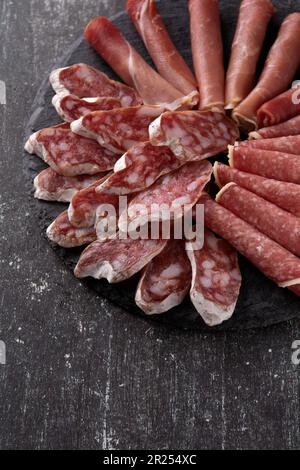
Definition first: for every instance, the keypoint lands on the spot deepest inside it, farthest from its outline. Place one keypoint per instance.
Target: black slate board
(261, 303)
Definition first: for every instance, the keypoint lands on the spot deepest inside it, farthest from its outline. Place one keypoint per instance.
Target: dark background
(82, 374)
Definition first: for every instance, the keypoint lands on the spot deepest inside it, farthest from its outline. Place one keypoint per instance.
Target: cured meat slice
(207, 48)
(193, 135)
(70, 107)
(69, 154)
(284, 195)
(216, 279)
(276, 165)
(117, 260)
(248, 41)
(269, 257)
(165, 281)
(119, 129)
(50, 186)
(288, 128)
(131, 67)
(169, 198)
(289, 144)
(165, 56)
(85, 81)
(279, 109)
(284, 58)
(281, 226)
(64, 234)
(139, 168)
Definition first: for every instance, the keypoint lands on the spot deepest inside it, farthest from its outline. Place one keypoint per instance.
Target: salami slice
(279, 109)
(165, 281)
(275, 165)
(289, 144)
(216, 279)
(169, 198)
(193, 135)
(277, 224)
(274, 261)
(51, 186)
(284, 57)
(117, 260)
(69, 154)
(85, 81)
(139, 168)
(70, 108)
(284, 195)
(207, 48)
(170, 64)
(248, 41)
(119, 129)
(62, 232)
(288, 128)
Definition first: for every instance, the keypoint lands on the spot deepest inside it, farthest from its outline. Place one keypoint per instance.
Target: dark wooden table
(82, 374)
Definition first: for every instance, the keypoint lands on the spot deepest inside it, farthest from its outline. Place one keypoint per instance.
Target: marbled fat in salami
(289, 144)
(288, 128)
(279, 109)
(64, 234)
(70, 107)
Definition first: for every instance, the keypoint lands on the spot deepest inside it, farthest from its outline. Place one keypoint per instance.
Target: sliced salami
(50, 186)
(69, 154)
(275, 165)
(193, 135)
(139, 168)
(85, 81)
(165, 281)
(216, 279)
(117, 260)
(279, 109)
(170, 64)
(70, 107)
(284, 195)
(289, 144)
(119, 129)
(274, 261)
(64, 234)
(288, 128)
(277, 224)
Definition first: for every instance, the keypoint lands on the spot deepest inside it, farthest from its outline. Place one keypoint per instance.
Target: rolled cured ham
(279, 109)
(164, 54)
(70, 107)
(289, 144)
(284, 58)
(207, 48)
(274, 261)
(216, 279)
(277, 224)
(166, 280)
(64, 234)
(284, 195)
(288, 128)
(253, 21)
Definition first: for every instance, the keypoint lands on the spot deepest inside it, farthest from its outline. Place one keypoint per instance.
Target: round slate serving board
(261, 303)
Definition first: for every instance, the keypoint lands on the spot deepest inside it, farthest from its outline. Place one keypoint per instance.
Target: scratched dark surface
(81, 373)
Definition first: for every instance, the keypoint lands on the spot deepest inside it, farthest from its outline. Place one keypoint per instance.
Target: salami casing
(70, 107)
(117, 260)
(253, 21)
(288, 128)
(69, 154)
(279, 109)
(289, 144)
(64, 234)
(85, 81)
(216, 279)
(193, 135)
(166, 280)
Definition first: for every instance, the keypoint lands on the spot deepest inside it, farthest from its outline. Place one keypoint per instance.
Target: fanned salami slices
(166, 280)
(279, 109)
(69, 154)
(275, 165)
(139, 168)
(64, 234)
(70, 107)
(216, 279)
(284, 195)
(288, 128)
(85, 81)
(117, 260)
(193, 135)
(165, 56)
(51, 186)
(119, 129)
(277, 224)
(289, 144)
(169, 198)
(274, 261)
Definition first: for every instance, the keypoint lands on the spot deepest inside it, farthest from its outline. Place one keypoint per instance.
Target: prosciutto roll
(288, 128)
(279, 109)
